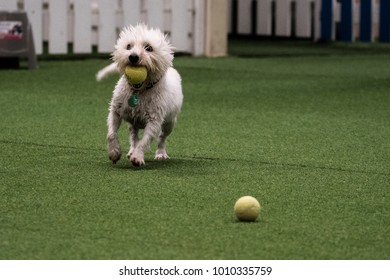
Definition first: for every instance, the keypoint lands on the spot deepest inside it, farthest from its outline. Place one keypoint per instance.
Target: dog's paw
(161, 156)
(114, 155)
(130, 153)
(137, 160)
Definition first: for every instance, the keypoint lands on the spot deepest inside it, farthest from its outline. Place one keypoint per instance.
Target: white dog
(159, 97)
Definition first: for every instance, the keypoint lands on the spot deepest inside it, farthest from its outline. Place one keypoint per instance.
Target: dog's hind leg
(133, 140)
(161, 153)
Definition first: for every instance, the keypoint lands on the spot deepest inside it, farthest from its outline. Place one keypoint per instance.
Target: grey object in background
(16, 38)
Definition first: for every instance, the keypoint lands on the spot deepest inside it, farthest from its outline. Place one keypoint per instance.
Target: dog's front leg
(133, 140)
(114, 148)
(151, 131)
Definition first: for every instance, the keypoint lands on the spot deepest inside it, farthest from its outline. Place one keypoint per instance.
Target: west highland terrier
(152, 105)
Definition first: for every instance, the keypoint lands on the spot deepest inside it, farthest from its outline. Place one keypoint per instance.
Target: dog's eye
(148, 48)
(128, 47)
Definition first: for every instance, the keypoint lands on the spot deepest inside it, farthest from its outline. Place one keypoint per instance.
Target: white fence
(194, 26)
(294, 18)
(86, 23)
(275, 18)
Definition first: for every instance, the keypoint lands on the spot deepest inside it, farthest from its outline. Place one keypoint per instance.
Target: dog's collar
(133, 99)
(152, 84)
(138, 88)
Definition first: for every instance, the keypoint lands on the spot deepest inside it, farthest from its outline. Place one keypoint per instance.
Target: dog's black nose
(133, 58)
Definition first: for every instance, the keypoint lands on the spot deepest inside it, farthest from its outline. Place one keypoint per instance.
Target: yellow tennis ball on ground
(247, 209)
(136, 74)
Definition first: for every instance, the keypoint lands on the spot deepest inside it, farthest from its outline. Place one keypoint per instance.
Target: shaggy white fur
(158, 100)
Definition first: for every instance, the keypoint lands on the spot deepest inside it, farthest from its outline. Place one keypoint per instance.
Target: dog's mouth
(137, 76)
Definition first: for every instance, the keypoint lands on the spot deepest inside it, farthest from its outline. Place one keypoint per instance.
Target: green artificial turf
(302, 127)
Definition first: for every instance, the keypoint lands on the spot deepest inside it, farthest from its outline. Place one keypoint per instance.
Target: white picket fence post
(131, 12)
(58, 27)
(244, 19)
(8, 5)
(35, 16)
(303, 19)
(283, 16)
(199, 28)
(264, 18)
(107, 34)
(179, 24)
(82, 35)
(317, 19)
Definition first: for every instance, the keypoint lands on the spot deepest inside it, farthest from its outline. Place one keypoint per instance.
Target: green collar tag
(133, 100)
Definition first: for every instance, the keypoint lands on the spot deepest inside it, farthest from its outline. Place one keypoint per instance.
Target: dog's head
(142, 46)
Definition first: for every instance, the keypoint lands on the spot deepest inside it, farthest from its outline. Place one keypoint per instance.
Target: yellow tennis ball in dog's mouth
(136, 74)
(247, 209)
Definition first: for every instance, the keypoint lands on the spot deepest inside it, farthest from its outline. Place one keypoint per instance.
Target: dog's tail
(107, 71)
